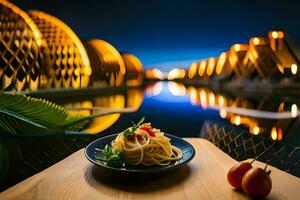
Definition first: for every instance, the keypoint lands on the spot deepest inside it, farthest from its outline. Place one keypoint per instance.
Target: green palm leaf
(25, 115)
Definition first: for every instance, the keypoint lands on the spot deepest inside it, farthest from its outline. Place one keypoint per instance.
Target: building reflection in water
(264, 116)
(154, 89)
(132, 98)
(269, 117)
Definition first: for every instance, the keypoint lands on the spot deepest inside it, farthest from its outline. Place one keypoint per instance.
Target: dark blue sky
(158, 31)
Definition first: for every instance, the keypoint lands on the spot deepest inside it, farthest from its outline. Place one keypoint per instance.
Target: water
(181, 110)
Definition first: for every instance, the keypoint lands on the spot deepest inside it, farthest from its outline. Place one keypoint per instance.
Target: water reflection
(260, 116)
(130, 99)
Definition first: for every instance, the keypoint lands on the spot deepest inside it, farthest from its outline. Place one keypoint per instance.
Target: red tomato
(148, 130)
(257, 183)
(236, 173)
(131, 138)
(139, 137)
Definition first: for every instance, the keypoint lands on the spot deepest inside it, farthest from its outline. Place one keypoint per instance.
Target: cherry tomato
(131, 138)
(257, 183)
(139, 137)
(148, 130)
(236, 173)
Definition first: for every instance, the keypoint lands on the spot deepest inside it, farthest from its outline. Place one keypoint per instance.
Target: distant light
(256, 130)
(158, 74)
(211, 99)
(192, 70)
(223, 113)
(281, 107)
(279, 137)
(202, 67)
(203, 100)
(154, 90)
(294, 110)
(221, 63)
(210, 66)
(256, 41)
(221, 101)
(275, 34)
(176, 74)
(237, 120)
(273, 133)
(294, 69)
(193, 95)
(177, 89)
(237, 47)
(280, 34)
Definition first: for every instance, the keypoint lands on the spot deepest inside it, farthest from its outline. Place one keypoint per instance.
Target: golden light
(49, 25)
(237, 47)
(102, 123)
(108, 65)
(177, 89)
(280, 34)
(154, 90)
(294, 69)
(281, 107)
(134, 98)
(193, 95)
(255, 130)
(176, 74)
(221, 63)
(158, 74)
(221, 101)
(211, 99)
(275, 34)
(66, 49)
(237, 120)
(294, 110)
(134, 69)
(192, 70)
(27, 19)
(22, 51)
(279, 135)
(203, 100)
(256, 41)
(223, 113)
(273, 133)
(210, 66)
(202, 67)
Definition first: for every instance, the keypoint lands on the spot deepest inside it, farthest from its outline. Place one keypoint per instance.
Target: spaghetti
(147, 146)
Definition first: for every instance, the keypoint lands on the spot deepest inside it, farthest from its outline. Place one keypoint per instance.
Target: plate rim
(156, 170)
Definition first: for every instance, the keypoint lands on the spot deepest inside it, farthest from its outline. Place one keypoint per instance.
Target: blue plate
(187, 149)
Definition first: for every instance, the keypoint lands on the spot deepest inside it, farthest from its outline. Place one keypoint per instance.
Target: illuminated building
(134, 70)
(154, 74)
(261, 61)
(70, 65)
(25, 59)
(286, 50)
(107, 64)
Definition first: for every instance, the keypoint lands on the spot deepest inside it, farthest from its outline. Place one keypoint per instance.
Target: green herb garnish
(112, 157)
(131, 130)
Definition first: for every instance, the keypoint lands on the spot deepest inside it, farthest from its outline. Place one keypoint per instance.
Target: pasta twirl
(147, 146)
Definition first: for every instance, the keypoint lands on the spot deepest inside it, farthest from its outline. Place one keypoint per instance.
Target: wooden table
(204, 178)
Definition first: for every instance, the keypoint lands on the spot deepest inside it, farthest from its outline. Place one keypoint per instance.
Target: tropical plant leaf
(26, 115)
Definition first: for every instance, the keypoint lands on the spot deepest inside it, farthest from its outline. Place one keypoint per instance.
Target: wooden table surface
(203, 178)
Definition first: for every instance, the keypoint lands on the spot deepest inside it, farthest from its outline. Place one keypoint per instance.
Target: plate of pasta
(140, 148)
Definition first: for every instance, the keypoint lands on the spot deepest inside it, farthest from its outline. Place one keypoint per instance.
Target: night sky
(158, 31)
